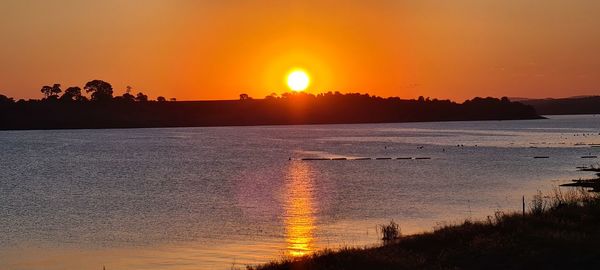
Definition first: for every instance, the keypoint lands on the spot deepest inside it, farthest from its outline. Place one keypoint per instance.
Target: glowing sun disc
(298, 80)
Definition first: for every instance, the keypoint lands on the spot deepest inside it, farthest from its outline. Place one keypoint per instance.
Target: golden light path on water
(299, 210)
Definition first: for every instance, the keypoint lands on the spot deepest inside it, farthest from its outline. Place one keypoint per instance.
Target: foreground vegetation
(556, 232)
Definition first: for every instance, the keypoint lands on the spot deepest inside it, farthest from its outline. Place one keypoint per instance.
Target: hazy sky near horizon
(217, 49)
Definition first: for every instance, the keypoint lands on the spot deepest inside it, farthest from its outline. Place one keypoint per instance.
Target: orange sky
(217, 49)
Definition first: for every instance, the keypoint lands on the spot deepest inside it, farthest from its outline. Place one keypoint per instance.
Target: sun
(298, 80)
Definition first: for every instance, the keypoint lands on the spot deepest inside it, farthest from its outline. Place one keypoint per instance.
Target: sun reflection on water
(299, 210)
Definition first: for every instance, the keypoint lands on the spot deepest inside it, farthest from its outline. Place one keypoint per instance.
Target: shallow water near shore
(213, 198)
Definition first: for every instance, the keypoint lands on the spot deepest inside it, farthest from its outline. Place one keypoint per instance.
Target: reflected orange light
(299, 210)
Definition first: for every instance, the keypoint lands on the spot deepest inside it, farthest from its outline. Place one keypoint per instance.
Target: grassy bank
(561, 231)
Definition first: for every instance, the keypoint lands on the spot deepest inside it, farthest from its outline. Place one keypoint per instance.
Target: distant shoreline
(565, 106)
(293, 109)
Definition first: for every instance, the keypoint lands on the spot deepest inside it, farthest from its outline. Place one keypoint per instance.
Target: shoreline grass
(560, 231)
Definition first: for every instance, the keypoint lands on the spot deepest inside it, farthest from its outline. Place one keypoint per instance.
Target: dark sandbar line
(366, 158)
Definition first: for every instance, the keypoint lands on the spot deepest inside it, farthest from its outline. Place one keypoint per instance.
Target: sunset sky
(195, 50)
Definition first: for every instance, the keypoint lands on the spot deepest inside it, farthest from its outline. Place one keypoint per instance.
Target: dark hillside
(330, 108)
(575, 105)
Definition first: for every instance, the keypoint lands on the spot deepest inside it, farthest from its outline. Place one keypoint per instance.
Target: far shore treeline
(70, 108)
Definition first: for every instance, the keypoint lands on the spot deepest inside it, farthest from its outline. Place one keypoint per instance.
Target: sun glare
(298, 80)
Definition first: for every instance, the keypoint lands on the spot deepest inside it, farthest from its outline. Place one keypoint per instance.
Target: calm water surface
(213, 198)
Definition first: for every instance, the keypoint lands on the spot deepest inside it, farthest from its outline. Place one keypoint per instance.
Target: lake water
(213, 198)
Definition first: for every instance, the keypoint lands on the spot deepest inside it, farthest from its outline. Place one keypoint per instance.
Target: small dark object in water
(404, 158)
(589, 157)
(590, 169)
(363, 158)
(423, 158)
(585, 183)
(341, 158)
(315, 159)
(382, 158)
(541, 157)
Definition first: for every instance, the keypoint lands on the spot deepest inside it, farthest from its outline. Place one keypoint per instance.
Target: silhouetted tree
(161, 99)
(5, 100)
(72, 94)
(46, 90)
(128, 97)
(172, 99)
(271, 96)
(141, 97)
(51, 92)
(56, 89)
(101, 90)
(244, 97)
